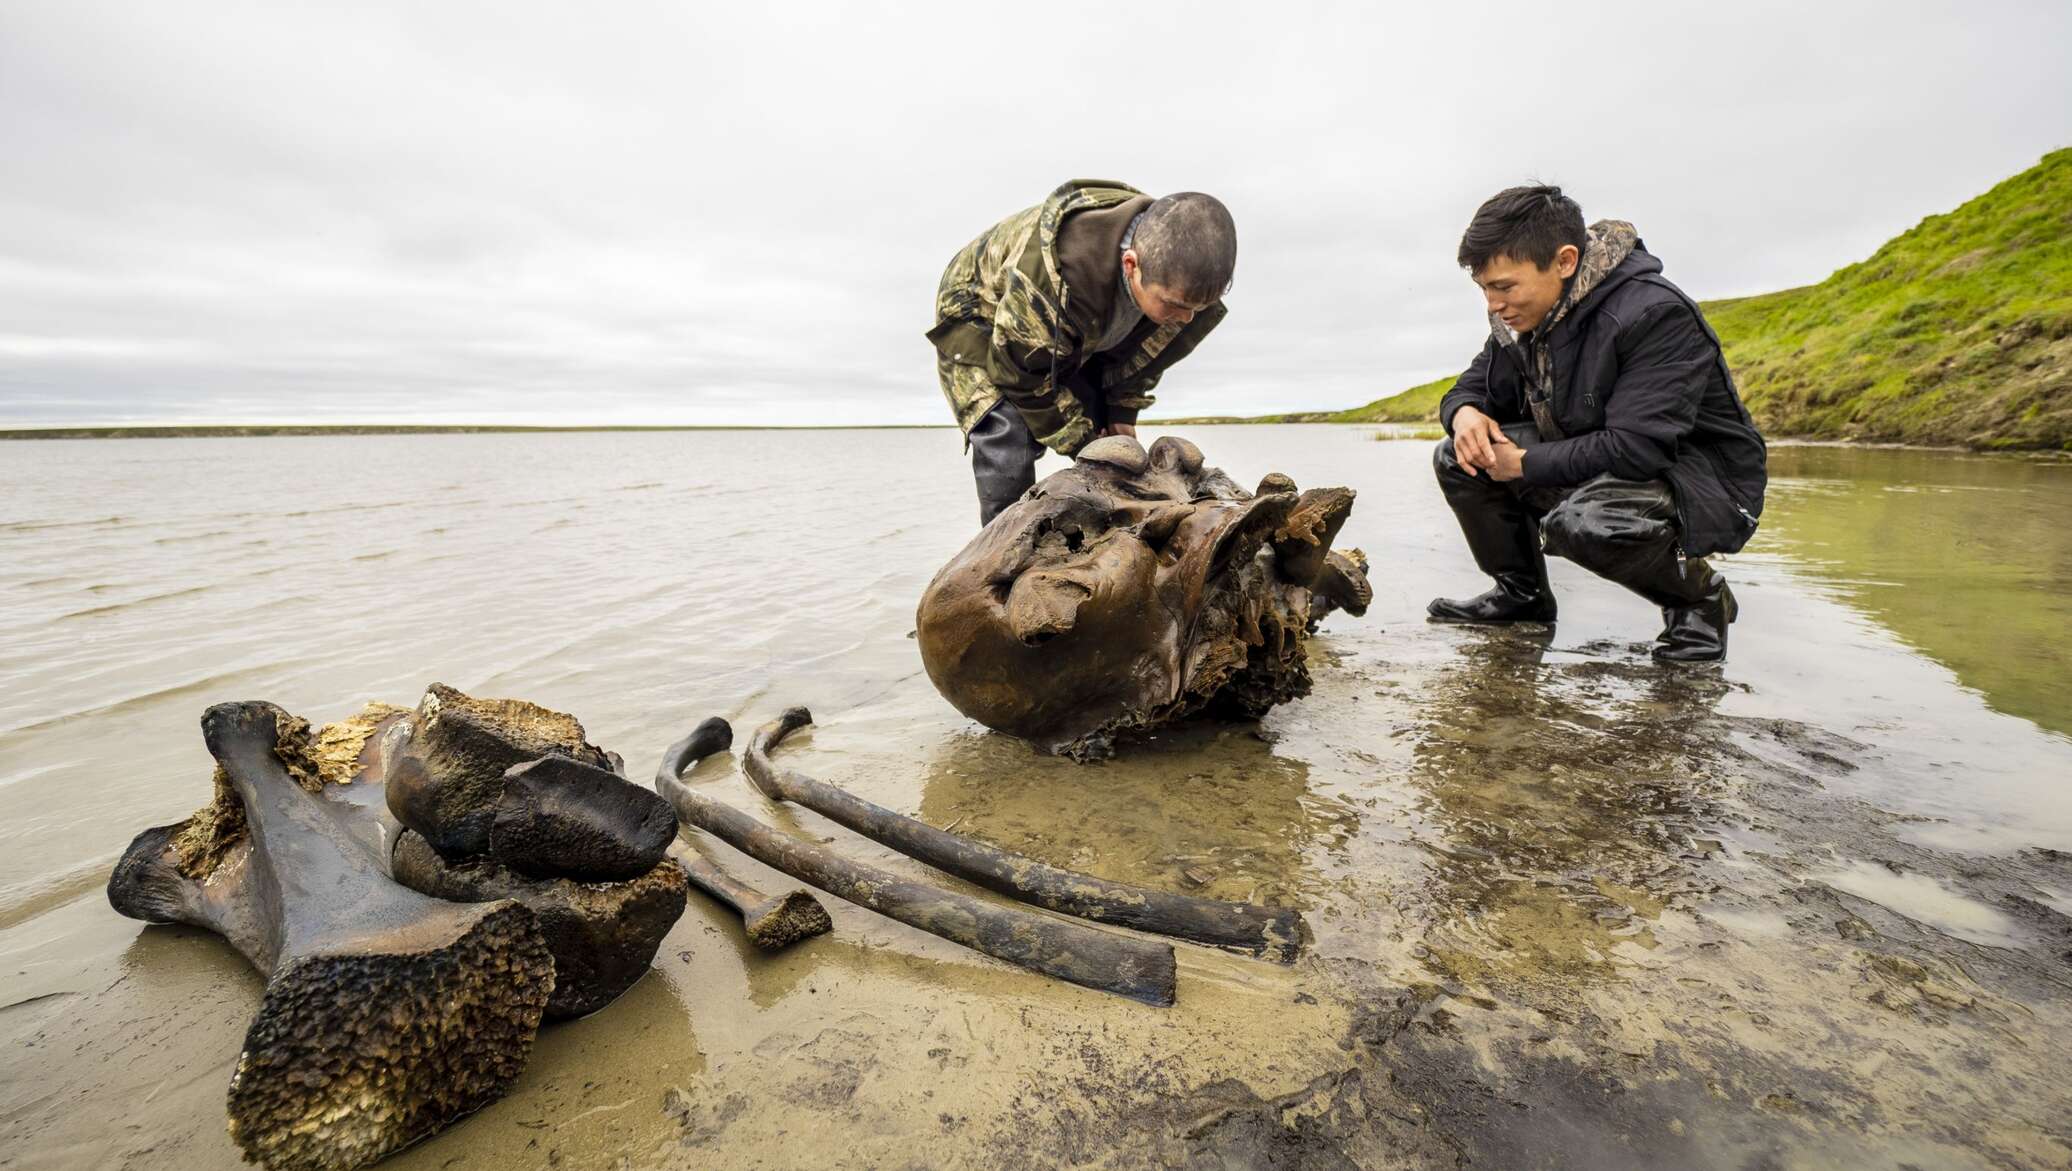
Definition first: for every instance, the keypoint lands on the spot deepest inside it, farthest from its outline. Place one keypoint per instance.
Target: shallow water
(1568, 906)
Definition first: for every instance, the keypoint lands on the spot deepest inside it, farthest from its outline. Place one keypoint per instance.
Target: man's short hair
(1523, 223)
(1187, 244)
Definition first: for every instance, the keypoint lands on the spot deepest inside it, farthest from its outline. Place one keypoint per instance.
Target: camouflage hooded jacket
(1002, 331)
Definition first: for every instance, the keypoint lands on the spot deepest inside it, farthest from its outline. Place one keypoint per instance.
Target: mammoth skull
(1132, 589)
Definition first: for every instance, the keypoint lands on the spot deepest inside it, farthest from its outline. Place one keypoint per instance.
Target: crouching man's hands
(1480, 445)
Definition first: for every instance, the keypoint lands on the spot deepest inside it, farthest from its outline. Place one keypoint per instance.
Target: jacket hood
(1612, 256)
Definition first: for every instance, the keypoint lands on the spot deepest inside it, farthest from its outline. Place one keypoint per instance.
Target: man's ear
(1565, 261)
(1129, 262)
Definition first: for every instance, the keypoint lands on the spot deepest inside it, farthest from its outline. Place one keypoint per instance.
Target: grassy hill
(1958, 331)
(1419, 404)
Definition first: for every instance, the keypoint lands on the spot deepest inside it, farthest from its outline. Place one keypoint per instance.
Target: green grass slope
(1419, 404)
(1956, 332)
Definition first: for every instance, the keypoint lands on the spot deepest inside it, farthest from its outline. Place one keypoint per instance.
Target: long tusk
(1273, 932)
(1135, 968)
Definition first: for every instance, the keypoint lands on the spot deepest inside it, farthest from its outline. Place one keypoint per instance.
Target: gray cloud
(527, 213)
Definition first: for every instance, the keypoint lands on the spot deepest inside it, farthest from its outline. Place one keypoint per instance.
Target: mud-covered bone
(603, 935)
(387, 1014)
(1132, 589)
(1304, 539)
(1139, 969)
(446, 779)
(1273, 932)
(773, 922)
(560, 818)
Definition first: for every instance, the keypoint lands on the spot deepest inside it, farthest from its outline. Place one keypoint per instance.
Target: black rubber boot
(1626, 530)
(1516, 598)
(1505, 539)
(1003, 459)
(1698, 634)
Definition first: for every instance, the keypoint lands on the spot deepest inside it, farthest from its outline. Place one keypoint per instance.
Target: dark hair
(1523, 223)
(1187, 243)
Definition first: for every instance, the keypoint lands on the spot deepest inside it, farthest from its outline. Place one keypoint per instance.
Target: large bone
(772, 923)
(603, 934)
(387, 1014)
(1133, 589)
(448, 776)
(1135, 968)
(561, 818)
(1274, 932)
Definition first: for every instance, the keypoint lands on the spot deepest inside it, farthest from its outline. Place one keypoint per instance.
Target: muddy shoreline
(1569, 908)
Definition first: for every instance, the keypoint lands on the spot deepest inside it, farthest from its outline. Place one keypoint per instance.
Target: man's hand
(1477, 439)
(1509, 461)
(1129, 429)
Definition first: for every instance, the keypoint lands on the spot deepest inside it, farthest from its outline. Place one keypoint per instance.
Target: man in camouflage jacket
(1053, 326)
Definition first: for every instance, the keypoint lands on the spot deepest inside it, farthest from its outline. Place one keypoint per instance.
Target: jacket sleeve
(1019, 363)
(1665, 359)
(1471, 389)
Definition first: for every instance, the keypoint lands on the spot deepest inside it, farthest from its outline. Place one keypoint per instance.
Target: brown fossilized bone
(1132, 589)
(1273, 932)
(578, 844)
(387, 1014)
(446, 782)
(603, 935)
(773, 923)
(1139, 969)
(559, 818)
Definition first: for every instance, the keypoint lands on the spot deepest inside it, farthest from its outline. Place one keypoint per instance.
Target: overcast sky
(703, 213)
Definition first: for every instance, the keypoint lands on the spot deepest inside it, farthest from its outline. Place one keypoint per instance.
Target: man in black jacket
(1599, 424)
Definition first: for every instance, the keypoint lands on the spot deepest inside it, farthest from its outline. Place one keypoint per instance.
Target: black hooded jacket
(1642, 392)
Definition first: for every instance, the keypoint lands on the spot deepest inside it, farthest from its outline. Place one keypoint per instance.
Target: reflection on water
(1925, 900)
(1214, 812)
(1566, 794)
(1968, 558)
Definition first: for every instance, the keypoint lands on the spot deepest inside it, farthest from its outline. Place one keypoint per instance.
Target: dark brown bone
(1133, 589)
(1273, 932)
(603, 934)
(387, 1015)
(772, 923)
(1135, 968)
(445, 779)
(560, 818)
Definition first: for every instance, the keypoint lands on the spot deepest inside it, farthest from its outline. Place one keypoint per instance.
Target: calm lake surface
(1512, 823)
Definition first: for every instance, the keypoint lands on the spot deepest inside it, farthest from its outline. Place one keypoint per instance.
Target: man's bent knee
(1608, 514)
(1444, 461)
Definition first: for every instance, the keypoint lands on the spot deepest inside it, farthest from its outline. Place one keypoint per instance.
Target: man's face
(1160, 304)
(1520, 292)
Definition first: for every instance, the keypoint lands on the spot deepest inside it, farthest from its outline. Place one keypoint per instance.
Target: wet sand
(1569, 908)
